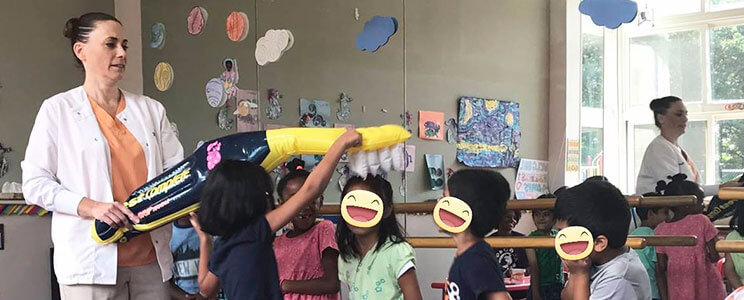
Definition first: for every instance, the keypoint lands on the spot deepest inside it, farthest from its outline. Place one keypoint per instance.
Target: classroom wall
(443, 50)
(36, 63)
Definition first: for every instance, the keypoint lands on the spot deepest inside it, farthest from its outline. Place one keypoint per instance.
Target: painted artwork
(163, 76)
(532, 179)
(196, 20)
(435, 164)
(157, 35)
(410, 158)
(431, 125)
(315, 113)
(237, 26)
(247, 111)
(488, 133)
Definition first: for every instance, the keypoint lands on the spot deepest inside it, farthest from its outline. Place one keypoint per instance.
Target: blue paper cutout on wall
(609, 13)
(376, 33)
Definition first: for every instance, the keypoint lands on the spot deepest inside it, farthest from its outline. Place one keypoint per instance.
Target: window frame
(706, 110)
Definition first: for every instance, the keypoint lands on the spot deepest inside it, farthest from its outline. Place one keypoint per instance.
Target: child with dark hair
(734, 265)
(376, 262)
(546, 281)
(235, 205)
(688, 272)
(650, 218)
(510, 258)
(307, 255)
(475, 273)
(611, 271)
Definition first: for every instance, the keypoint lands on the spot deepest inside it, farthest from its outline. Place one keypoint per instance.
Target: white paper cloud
(271, 46)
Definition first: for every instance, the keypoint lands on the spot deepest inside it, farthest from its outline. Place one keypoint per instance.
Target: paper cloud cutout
(271, 46)
(609, 13)
(376, 33)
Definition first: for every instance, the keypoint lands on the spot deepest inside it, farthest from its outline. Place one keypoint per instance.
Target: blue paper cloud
(609, 13)
(376, 33)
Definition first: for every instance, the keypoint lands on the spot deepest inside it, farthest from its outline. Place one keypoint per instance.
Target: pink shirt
(689, 273)
(300, 257)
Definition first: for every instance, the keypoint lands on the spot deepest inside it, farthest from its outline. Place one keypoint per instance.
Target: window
(592, 99)
(694, 50)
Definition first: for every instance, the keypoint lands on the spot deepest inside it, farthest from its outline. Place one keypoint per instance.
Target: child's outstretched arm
(315, 183)
(208, 282)
(328, 284)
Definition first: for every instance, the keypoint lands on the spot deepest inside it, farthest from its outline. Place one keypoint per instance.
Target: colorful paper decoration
(196, 20)
(237, 26)
(435, 164)
(215, 93)
(431, 125)
(532, 179)
(344, 110)
(314, 113)
(376, 33)
(274, 110)
(163, 76)
(157, 35)
(488, 133)
(271, 46)
(609, 13)
(247, 111)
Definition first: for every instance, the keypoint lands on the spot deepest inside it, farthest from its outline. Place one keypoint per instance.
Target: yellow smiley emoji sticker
(574, 243)
(362, 208)
(452, 214)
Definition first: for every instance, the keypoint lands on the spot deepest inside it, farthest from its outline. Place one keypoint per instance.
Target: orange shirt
(128, 172)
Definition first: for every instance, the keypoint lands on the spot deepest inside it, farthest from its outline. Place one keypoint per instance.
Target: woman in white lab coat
(89, 148)
(664, 157)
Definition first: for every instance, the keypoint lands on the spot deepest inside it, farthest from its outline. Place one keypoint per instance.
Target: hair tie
(299, 168)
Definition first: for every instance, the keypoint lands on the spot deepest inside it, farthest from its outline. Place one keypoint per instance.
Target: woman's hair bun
(71, 27)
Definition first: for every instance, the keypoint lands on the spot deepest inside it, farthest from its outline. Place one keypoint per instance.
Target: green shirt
(551, 269)
(648, 259)
(737, 258)
(375, 276)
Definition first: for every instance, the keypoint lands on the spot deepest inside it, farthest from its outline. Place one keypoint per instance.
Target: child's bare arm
(499, 296)
(730, 271)
(534, 274)
(661, 279)
(577, 287)
(208, 282)
(409, 285)
(328, 284)
(315, 183)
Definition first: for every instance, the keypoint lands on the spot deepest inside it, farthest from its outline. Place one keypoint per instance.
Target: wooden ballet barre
(547, 203)
(506, 242)
(668, 240)
(730, 246)
(731, 193)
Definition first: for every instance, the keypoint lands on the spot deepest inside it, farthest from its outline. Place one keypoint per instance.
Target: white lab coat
(662, 159)
(68, 158)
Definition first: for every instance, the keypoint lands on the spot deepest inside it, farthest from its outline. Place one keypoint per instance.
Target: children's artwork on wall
(274, 111)
(609, 13)
(274, 126)
(163, 76)
(376, 33)
(431, 125)
(407, 118)
(488, 133)
(230, 77)
(196, 20)
(314, 113)
(157, 35)
(532, 179)
(247, 111)
(410, 158)
(271, 46)
(435, 164)
(237, 26)
(3, 160)
(224, 119)
(343, 176)
(344, 110)
(451, 130)
(215, 92)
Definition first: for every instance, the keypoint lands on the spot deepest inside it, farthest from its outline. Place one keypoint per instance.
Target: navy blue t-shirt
(474, 274)
(245, 263)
